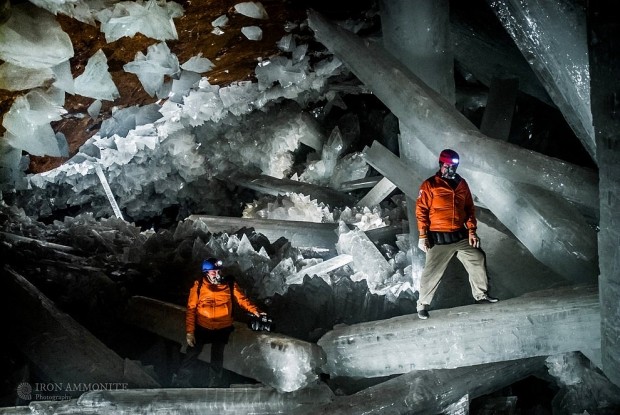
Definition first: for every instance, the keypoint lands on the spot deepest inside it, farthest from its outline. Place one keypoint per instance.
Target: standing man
(209, 320)
(447, 226)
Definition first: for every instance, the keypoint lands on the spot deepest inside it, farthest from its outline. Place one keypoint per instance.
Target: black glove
(261, 322)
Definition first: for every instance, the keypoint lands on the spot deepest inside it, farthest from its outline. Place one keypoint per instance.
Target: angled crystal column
(60, 347)
(440, 125)
(408, 180)
(272, 186)
(430, 391)
(366, 182)
(282, 362)
(418, 35)
(214, 401)
(489, 54)
(299, 233)
(536, 324)
(604, 32)
(108, 191)
(552, 36)
(378, 193)
(320, 269)
(552, 230)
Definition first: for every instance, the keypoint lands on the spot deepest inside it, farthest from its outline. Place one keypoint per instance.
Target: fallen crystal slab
(430, 391)
(32, 315)
(280, 361)
(214, 401)
(536, 324)
(392, 167)
(365, 183)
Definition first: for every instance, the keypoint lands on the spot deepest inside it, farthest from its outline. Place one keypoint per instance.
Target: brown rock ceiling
(234, 56)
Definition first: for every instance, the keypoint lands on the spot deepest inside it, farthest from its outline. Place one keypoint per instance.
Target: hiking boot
(487, 299)
(422, 314)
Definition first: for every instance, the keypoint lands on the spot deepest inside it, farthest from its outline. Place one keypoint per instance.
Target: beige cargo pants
(437, 259)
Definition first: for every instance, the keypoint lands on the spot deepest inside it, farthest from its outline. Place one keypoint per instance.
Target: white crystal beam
(429, 391)
(320, 268)
(486, 55)
(378, 193)
(394, 168)
(605, 67)
(440, 125)
(280, 361)
(214, 401)
(108, 191)
(552, 36)
(60, 347)
(536, 324)
(273, 186)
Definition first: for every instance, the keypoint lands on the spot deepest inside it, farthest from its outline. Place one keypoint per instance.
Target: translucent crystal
(153, 19)
(28, 120)
(367, 259)
(64, 79)
(152, 68)
(220, 21)
(32, 38)
(16, 78)
(198, 64)
(96, 82)
(535, 324)
(252, 32)
(252, 9)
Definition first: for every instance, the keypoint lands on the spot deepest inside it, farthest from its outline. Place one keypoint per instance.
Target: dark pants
(217, 338)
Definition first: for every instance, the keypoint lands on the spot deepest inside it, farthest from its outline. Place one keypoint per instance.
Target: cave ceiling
(234, 56)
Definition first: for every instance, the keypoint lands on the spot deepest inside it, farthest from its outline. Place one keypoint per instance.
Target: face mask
(448, 171)
(215, 279)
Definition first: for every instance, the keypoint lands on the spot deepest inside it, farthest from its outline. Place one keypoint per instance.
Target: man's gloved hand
(423, 244)
(260, 321)
(191, 339)
(474, 240)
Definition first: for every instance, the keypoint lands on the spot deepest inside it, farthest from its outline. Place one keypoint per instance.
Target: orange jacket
(213, 310)
(440, 208)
